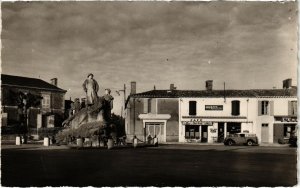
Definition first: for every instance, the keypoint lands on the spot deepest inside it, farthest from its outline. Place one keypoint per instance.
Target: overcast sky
(248, 45)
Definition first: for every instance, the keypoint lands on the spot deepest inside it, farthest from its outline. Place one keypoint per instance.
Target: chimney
(172, 87)
(287, 83)
(209, 85)
(54, 81)
(133, 87)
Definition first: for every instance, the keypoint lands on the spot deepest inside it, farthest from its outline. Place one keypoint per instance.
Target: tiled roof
(217, 93)
(26, 82)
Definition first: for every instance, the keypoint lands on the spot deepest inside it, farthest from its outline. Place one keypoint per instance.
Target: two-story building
(50, 111)
(209, 115)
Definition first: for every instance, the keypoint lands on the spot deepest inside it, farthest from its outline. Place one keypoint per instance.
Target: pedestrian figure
(90, 87)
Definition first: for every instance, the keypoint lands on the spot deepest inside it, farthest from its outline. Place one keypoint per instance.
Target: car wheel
(249, 143)
(230, 142)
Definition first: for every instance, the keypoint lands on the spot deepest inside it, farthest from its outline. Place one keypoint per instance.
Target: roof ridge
(13, 80)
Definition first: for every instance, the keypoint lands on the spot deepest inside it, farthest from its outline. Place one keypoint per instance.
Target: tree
(120, 124)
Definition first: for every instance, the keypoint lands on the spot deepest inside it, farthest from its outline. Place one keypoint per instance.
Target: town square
(163, 94)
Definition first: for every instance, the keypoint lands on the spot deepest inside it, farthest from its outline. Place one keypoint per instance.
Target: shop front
(212, 129)
(284, 127)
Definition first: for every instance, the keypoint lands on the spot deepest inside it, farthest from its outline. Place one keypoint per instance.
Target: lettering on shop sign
(213, 107)
(289, 120)
(192, 122)
(195, 122)
(213, 130)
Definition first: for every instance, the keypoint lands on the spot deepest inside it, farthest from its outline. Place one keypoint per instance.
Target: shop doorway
(221, 132)
(204, 134)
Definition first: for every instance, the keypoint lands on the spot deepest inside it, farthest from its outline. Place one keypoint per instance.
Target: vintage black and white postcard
(149, 93)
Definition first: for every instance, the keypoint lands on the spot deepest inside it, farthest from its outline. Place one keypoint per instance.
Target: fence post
(46, 141)
(79, 142)
(18, 140)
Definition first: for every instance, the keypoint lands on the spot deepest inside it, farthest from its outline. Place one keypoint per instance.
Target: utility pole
(123, 106)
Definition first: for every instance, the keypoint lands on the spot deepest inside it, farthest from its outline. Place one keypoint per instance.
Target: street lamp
(124, 92)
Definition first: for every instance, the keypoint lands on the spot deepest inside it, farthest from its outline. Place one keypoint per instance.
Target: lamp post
(124, 92)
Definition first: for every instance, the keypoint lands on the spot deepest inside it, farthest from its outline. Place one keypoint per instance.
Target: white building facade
(211, 119)
(208, 116)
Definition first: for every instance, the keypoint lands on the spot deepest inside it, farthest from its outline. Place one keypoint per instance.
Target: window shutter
(145, 106)
(259, 107)
(232, 107)
(295, 106)
(153, 106)
(235, 108)
(271, 108)
(149, 105)
(290, 110)
(238, 108)
(192, 107)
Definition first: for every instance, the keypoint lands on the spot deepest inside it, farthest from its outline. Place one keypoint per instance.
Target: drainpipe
(134, 116)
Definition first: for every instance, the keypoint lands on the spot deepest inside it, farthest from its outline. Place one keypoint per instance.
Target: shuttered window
(192, 108)
(292, 108)
(235, 108)
(150, 106)
(265, 108)
(145, 106)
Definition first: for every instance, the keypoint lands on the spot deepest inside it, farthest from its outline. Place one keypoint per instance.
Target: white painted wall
(248, 108)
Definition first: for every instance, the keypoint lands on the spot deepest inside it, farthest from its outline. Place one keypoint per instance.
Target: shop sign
(213, 130)
(195, 121)
(289, 119)
(213, 107)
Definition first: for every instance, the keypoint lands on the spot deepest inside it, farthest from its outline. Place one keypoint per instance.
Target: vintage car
(241, 139)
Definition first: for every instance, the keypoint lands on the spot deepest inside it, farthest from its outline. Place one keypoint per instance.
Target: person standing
(90, 87)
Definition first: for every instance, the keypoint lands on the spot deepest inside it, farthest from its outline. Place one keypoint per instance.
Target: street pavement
(166, 165)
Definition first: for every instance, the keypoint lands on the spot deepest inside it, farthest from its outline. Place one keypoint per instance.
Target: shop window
(192, 108)
(292, 108)
(233, 128)
(288, 130)
(192, 132)
(235, 108)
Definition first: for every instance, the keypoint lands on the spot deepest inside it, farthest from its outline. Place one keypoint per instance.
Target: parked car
(241, 139)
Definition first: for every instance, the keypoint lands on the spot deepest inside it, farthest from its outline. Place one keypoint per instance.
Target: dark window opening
(265, 107)
(233, 128)
(235, 108)
(192, 108)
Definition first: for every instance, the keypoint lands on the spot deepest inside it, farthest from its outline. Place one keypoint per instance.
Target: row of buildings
(43, 101)
(171, 115)
(209, 115)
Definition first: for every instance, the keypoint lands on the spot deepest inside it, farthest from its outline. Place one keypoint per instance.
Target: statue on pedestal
(91, 88)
